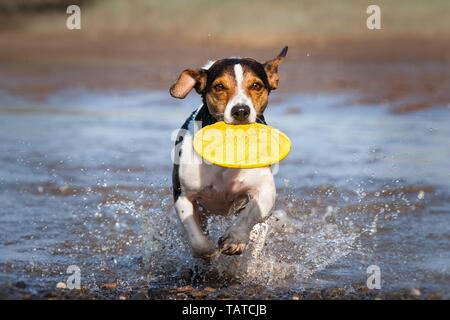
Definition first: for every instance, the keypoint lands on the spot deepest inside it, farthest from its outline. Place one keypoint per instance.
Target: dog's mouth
(221, 117)
(233, 121)
(237, 122)
(258, 119)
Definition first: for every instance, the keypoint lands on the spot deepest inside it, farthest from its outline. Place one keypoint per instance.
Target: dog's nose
(240, 112)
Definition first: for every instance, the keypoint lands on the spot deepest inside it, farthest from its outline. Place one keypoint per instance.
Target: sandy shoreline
(358, 291)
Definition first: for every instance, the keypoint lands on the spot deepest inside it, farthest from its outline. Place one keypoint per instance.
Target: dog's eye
(219, 87)
(256, 86)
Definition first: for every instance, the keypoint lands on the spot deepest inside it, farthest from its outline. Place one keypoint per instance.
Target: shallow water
(85, 180)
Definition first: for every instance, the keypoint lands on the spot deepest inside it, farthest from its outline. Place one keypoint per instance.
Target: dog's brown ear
(187, 80)
(271, 68)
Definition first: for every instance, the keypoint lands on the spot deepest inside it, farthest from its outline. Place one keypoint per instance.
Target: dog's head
(235, 90)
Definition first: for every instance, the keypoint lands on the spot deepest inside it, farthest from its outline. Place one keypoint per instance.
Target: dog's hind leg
(257, 210)
(201, 245)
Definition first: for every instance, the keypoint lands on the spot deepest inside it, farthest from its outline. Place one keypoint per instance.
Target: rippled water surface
(85, 180)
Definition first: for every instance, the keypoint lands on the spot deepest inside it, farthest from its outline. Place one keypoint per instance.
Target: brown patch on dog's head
(220, 88)
(256, 87)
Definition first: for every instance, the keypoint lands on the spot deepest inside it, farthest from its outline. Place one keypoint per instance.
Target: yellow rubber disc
(241, 146)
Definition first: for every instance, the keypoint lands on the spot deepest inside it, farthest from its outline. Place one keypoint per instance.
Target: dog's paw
(231, 245)
(205, 250)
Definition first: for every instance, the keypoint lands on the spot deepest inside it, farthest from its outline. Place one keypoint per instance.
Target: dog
(234, 90)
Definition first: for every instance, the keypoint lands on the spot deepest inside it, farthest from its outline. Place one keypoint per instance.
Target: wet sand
(19, 291)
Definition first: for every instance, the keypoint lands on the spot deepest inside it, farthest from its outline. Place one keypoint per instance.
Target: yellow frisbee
(241, 146)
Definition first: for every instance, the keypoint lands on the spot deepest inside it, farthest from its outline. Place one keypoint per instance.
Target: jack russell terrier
(236, 91)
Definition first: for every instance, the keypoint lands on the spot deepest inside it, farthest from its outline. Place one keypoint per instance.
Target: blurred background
(85, 141)
(148, 42)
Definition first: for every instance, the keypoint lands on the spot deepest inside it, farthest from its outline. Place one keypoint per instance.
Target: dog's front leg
(257, 210)
(201, 245)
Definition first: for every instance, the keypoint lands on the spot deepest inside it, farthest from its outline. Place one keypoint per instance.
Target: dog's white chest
(217, 188)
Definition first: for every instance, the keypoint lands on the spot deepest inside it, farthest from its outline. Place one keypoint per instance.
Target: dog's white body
(223, 191)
